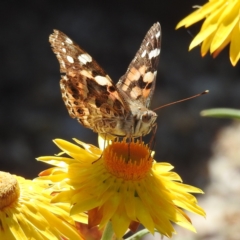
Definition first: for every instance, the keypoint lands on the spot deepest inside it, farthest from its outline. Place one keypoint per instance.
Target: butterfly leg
(153, 139)
(105, 139)
(97, 159)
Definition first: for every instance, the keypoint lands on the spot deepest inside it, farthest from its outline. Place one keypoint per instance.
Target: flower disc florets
(130, 161)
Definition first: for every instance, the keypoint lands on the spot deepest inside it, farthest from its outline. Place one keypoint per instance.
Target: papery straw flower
(221, 27)
(26, 212)
(121, 184)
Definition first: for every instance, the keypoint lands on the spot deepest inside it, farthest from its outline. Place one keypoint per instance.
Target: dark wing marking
(87, 91)
(138, 83)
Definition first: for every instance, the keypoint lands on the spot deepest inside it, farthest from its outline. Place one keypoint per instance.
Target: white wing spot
(158, 34)
(63, 64)
(149, 77)
(68, 40)
(102, 80)
(64, 50)
(144, 54)
(154, 53)
(85, 58)
(70, 59)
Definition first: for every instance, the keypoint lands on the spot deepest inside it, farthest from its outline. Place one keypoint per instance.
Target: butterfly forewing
(91, 96)
(139, 81)
(87, 91)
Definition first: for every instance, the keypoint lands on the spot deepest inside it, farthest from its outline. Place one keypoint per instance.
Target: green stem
(139, 235)
(108, 232)
(221, 113)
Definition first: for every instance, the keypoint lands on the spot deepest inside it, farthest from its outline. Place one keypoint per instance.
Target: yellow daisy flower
(26, 213)
(221, 27)
(121, 184)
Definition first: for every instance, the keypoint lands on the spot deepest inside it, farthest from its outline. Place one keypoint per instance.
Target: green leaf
(221, 113)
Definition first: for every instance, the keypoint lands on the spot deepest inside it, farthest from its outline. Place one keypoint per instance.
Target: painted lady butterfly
(95, 101)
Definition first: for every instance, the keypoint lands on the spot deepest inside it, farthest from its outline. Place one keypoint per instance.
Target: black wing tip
(157, 25)
(155, 29)
(53, 34)
(55, 31)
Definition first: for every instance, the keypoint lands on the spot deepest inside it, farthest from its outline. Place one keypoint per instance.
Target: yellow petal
(187, 188)
(72, 149)
(172, 176)
(80, 207)
(222, 46)
(104, 140)
(164, 224)
(227, 22)
(235, 45)
(129, 202)
(143, 215)
(162, 167)
(206, 44)
(56, 161)
(12, 227)
(209, 26)
(199, 14)
(189, 206)
(110, 208)
(182, 221)
(88, 147)
(120, 223)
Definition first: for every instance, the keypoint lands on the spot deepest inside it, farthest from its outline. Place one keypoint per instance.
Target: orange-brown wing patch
(138, 83)
(87, 91)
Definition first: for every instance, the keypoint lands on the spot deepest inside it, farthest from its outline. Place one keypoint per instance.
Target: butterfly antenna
(183, 100)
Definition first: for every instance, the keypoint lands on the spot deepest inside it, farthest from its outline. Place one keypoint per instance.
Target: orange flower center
(9, 189)
(130, 161)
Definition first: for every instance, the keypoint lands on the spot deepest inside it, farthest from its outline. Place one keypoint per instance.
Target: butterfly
(120, 110)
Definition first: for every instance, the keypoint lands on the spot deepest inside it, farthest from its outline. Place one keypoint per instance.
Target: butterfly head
(148, 116)
(144, 122)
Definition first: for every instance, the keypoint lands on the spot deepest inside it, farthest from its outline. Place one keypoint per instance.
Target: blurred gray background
(32, 112)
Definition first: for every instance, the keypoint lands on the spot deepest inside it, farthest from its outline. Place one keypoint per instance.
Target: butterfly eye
(146, 117)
